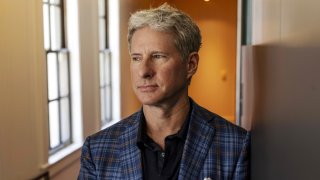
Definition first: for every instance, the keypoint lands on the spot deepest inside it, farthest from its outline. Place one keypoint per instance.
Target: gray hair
(166, 18)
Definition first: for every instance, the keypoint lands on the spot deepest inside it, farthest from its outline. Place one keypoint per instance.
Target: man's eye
(136, 58)
(158, 56)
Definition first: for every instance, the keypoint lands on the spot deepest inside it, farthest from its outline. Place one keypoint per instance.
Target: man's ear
(192, 64)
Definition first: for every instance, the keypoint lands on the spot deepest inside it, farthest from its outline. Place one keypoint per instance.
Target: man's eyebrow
(152, 52)
(135, 54)
(161, 52)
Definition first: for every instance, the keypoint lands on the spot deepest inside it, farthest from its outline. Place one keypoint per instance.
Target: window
(105, 65)
(58, 75)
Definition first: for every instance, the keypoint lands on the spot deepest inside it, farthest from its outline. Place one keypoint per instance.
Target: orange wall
(214, 84)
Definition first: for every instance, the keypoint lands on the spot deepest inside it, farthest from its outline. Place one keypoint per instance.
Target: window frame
(105, 75)
(61, 49)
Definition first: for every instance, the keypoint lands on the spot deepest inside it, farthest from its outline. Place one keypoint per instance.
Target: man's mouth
(147, 88)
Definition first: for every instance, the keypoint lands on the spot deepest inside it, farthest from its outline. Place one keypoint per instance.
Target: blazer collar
(199, 138)
(130, 154)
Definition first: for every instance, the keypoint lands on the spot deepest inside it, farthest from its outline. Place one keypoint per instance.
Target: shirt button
(163, 154)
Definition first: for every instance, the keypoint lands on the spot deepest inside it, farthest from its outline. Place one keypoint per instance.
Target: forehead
(147, 36)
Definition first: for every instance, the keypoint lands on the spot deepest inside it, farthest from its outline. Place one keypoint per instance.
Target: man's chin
(149, 101)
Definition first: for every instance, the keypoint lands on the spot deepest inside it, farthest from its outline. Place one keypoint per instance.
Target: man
(171, 137)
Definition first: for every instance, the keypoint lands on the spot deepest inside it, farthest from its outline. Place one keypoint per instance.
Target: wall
(289, 22)
(214, 85)
(23, 116)
(286, 86)
(88, 31)
(23, 98)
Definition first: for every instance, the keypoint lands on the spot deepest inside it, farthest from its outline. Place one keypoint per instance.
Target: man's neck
(165, 120)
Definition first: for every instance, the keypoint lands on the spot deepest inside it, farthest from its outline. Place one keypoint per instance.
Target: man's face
(159, 75)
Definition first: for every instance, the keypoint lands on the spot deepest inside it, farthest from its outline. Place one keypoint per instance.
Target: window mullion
(63, 42)
(59, 98)
(69, 97)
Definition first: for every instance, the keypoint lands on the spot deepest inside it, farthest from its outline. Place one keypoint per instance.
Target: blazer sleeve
(87, 167)
(242, 171)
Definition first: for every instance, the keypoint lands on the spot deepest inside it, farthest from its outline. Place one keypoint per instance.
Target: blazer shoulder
(114, 132)
(223, 124)
(220, 124)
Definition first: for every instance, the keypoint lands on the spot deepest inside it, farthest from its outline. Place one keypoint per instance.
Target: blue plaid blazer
(214, 149)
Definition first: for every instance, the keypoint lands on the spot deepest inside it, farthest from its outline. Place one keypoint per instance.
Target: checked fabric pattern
(214, 149)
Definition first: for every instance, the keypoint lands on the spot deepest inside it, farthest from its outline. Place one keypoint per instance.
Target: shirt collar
(182, 133)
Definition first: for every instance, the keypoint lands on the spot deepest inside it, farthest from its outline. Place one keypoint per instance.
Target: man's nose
(146, 69)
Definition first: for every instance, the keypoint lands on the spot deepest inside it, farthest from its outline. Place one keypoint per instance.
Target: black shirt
(161, 164)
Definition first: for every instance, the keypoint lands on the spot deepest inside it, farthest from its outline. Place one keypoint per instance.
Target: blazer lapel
(131, 156)
(199, 138)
